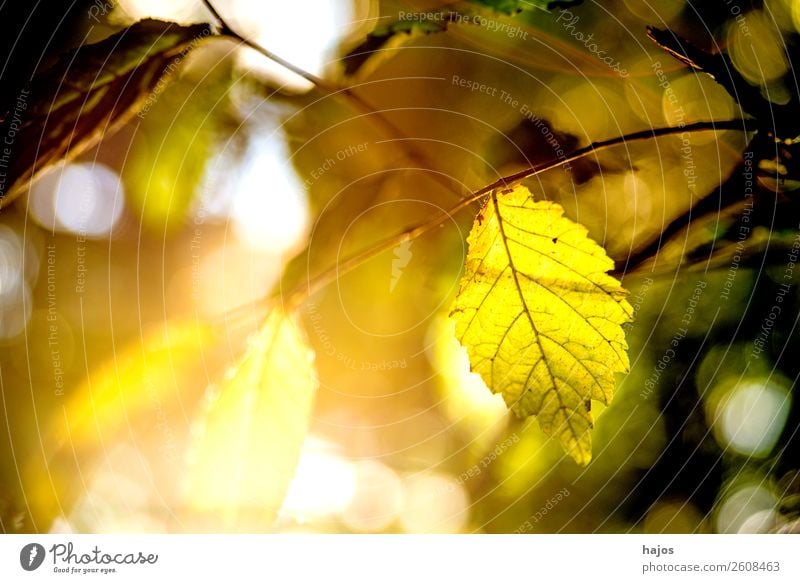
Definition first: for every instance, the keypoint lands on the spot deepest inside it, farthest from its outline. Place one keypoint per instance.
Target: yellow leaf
(540, 316)
(246, 444)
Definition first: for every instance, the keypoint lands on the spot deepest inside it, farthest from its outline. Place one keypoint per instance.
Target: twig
(226, 30)
(375, 116)
(356, 260)
(314, 284)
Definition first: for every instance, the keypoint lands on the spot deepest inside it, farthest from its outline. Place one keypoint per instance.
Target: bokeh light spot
(81, 198)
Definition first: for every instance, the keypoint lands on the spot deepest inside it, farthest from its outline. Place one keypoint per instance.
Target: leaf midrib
(536, 336)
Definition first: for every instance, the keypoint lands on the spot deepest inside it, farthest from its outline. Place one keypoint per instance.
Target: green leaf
(382, 42)
(540, 317)
(247, 443)
(89, 93)
(515, 6)
(171, 147)
(387, 37)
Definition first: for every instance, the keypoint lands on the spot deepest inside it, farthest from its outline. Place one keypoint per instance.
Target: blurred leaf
(128, 395)
(89, 93)
(534, 141)
(540, 317)
(247, 444)
(171, 148)
(739, 221)
(381, 42)
(780, 119)
(515, 6)
(718, 66)
(118, 390)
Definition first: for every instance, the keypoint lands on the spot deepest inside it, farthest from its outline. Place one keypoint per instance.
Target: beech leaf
(385, 39)
(540, 317)
(246, 444)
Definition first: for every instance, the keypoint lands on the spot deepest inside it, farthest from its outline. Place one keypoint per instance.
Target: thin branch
(375, 116)
(744, 125)
(333, 273)
(226, 30)
(316, 283)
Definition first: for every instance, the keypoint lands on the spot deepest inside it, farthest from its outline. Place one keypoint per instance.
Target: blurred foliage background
(130, 278)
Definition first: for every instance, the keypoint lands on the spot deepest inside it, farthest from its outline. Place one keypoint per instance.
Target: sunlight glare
(305, 35)
(15, 293)
(435, 503)
(182, 11)
(739, 507)
(269, 209)
(466, 393)
(82, 198)
(751, 417)
(378, 498)
(323, 485)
